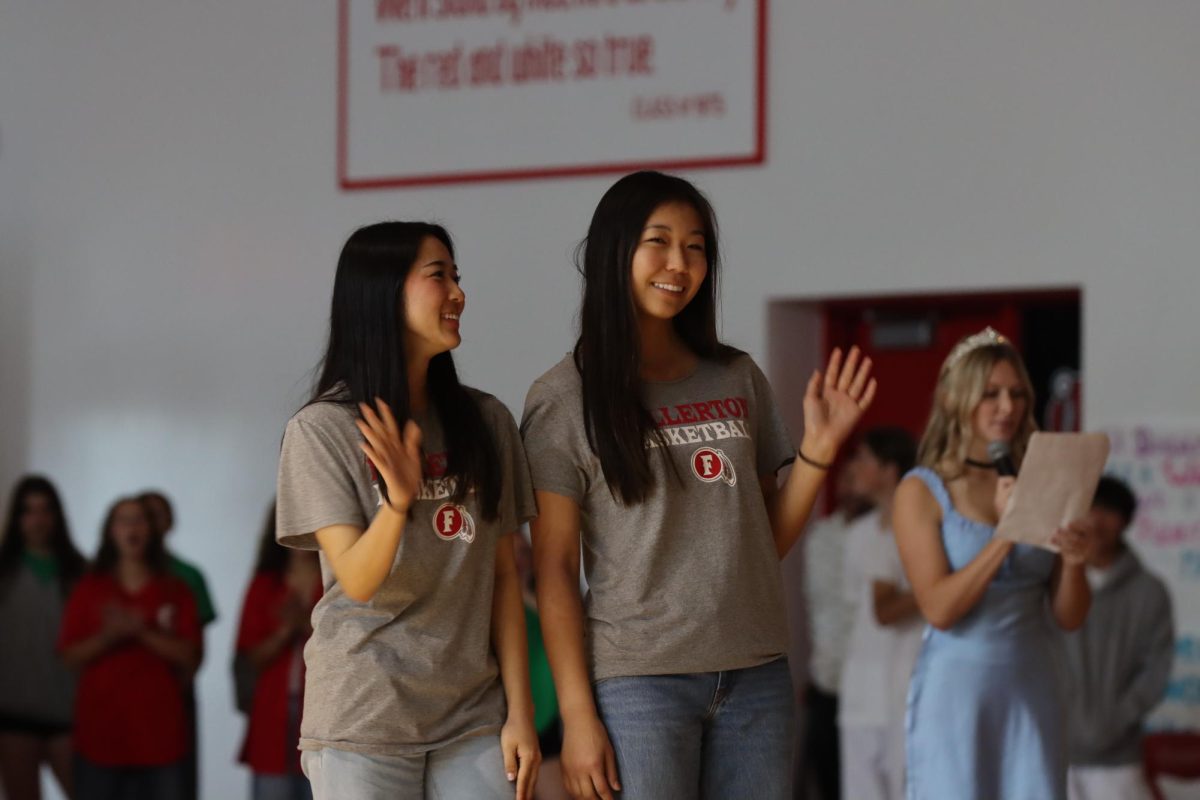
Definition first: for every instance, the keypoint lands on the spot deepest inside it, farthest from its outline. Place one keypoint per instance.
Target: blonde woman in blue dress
(984, 715)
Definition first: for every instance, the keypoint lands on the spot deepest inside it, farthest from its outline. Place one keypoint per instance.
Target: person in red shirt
(130, 628)
(274, 627)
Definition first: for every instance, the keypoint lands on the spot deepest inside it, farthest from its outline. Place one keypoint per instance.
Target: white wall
(169, 223)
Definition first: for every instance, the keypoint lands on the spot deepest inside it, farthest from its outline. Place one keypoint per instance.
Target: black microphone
(1001, 457)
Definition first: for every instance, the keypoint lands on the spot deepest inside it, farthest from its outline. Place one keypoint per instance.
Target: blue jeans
(472, 768)
(711, 735)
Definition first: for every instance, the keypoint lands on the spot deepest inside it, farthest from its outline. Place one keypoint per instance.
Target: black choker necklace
(981, 464)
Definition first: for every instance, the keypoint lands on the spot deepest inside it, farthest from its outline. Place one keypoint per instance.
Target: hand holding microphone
(1074, 541)
(1001, 456)
(1002, 460)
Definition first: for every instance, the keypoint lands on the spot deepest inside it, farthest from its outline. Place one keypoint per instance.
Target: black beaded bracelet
(810, 462)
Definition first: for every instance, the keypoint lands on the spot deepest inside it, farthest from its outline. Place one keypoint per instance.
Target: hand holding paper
(1074, 543)
(1054, 491)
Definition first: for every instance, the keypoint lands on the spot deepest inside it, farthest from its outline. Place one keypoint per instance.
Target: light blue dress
(984, 715)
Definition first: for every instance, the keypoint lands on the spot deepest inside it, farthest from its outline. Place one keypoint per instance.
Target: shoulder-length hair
(108, 555)
(365, 356)
(71, 564)
(950, 430)
(607, 354)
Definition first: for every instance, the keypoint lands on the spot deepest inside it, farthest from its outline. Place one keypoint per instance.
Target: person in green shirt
(546, 717)
(162, 516)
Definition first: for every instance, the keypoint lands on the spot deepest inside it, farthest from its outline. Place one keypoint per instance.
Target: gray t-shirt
(689, 580)
(35, 684)
(413, 668)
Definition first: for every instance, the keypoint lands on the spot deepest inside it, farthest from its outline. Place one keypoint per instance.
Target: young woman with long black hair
(39, 566)
(131, 629)
(658, 446)
(417, 670)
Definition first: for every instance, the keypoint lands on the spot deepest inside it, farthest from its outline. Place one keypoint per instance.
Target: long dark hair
(107, 557)
(607, 353)
(272, 556)
(70, 563)
(365, 357)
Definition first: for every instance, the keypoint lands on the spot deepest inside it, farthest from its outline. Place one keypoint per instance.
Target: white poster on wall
(440, 91)
(1162, 465)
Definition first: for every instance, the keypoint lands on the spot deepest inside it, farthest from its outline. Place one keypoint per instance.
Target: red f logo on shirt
(452, 521)
(711, 465)
(166, 616)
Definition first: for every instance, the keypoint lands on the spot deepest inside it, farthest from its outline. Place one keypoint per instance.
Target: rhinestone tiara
(987, 336)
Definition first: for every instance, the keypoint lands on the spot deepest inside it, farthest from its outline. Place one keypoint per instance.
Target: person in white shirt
(830, 616)
(885, 638)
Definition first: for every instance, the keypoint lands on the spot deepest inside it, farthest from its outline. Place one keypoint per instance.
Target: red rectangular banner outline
(350, 184)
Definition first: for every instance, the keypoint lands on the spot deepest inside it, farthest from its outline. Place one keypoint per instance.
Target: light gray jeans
(472, 768)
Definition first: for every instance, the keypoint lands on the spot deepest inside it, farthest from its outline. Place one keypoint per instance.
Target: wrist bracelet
(800, 455)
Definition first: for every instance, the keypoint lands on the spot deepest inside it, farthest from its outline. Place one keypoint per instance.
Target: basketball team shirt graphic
(711, 465)
(451, 520)
(412, 669)
(689, 580)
